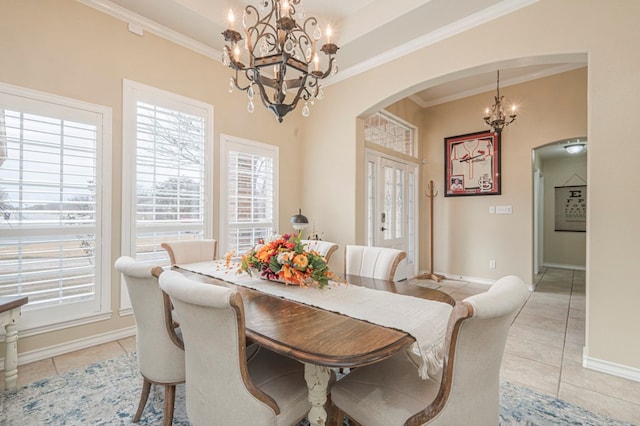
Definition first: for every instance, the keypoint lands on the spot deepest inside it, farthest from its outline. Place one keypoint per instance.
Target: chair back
(218, 386)
(476, 337)
(159, 358)
(373, 262)
(324, 248)
(191, 251)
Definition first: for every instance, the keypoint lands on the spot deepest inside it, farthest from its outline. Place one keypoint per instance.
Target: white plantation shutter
(168, 139)
(250, 182)
(51, 207)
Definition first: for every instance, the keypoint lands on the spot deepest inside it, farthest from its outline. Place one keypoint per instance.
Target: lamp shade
(299, 221)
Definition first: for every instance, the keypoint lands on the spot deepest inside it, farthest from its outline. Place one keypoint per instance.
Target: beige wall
(466, 236)
(598, 30)
(68, 49)
(561, 247)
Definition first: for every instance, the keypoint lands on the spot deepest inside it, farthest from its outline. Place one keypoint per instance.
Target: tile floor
(543, 352)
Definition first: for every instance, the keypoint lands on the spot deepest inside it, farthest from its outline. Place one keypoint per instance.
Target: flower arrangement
(287, 259)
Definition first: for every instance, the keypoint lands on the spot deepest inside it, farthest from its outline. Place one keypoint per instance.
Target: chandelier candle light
(282, 56)
(495, 117)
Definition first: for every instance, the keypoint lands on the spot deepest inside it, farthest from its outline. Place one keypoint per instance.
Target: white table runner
(425, 320)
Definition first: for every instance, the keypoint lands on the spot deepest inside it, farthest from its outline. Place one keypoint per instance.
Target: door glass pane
(388, 202)
(371, 200)
(411, 217)
(399, 207)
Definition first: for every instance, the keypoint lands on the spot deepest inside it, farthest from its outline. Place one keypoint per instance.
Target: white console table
(9, 314)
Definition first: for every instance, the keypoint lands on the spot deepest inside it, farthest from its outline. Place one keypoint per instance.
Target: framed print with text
(571, 208)
(472, 164)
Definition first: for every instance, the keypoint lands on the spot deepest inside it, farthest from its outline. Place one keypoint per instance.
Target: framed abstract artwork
(472, 164)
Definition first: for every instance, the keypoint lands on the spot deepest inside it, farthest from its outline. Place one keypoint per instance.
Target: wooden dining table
(322, 339)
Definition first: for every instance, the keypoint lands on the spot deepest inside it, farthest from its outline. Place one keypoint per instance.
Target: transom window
(389, 131)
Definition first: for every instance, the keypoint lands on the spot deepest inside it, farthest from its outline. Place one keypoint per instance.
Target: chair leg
(146, 388)
(169, 402)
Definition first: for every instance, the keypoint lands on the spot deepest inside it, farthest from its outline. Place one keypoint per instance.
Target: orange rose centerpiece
(286, 259)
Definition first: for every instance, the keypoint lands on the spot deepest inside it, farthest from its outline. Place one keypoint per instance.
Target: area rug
(107, 393)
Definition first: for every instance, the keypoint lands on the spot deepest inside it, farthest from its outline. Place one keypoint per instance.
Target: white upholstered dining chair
(323, 248)
(160, 352)
(392, 393)
(373, 262)
(222, 387)
(191, 251)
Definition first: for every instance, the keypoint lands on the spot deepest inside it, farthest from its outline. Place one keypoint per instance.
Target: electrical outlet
(492, 264)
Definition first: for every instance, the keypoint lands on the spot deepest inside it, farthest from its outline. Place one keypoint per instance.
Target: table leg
(11, 357)
(317, 378)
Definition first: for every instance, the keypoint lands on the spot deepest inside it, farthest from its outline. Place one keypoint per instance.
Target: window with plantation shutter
(167, 191)
(249, 181)
(54, 206)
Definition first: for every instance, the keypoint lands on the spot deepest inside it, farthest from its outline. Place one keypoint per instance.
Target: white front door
(391, 208)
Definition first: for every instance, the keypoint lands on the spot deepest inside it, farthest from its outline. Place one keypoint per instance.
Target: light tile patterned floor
(543, 352)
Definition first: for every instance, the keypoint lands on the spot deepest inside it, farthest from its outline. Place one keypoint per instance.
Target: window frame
(134, 92)
(243, 145)
(50, 318)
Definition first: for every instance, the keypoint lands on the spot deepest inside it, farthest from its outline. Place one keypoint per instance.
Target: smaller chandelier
(283, 62)
(495, 117)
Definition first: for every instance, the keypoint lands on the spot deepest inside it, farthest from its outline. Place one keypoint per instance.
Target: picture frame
(472, 164)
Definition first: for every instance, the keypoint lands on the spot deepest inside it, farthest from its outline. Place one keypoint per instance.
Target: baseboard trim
(564, 266)
(607, 367)
(74, 345)
(475, 280)
(470, 279)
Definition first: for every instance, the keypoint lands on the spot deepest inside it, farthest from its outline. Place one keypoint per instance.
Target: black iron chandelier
(283, 62)
(495, 117)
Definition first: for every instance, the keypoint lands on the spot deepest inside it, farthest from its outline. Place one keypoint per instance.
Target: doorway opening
(559, 206)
